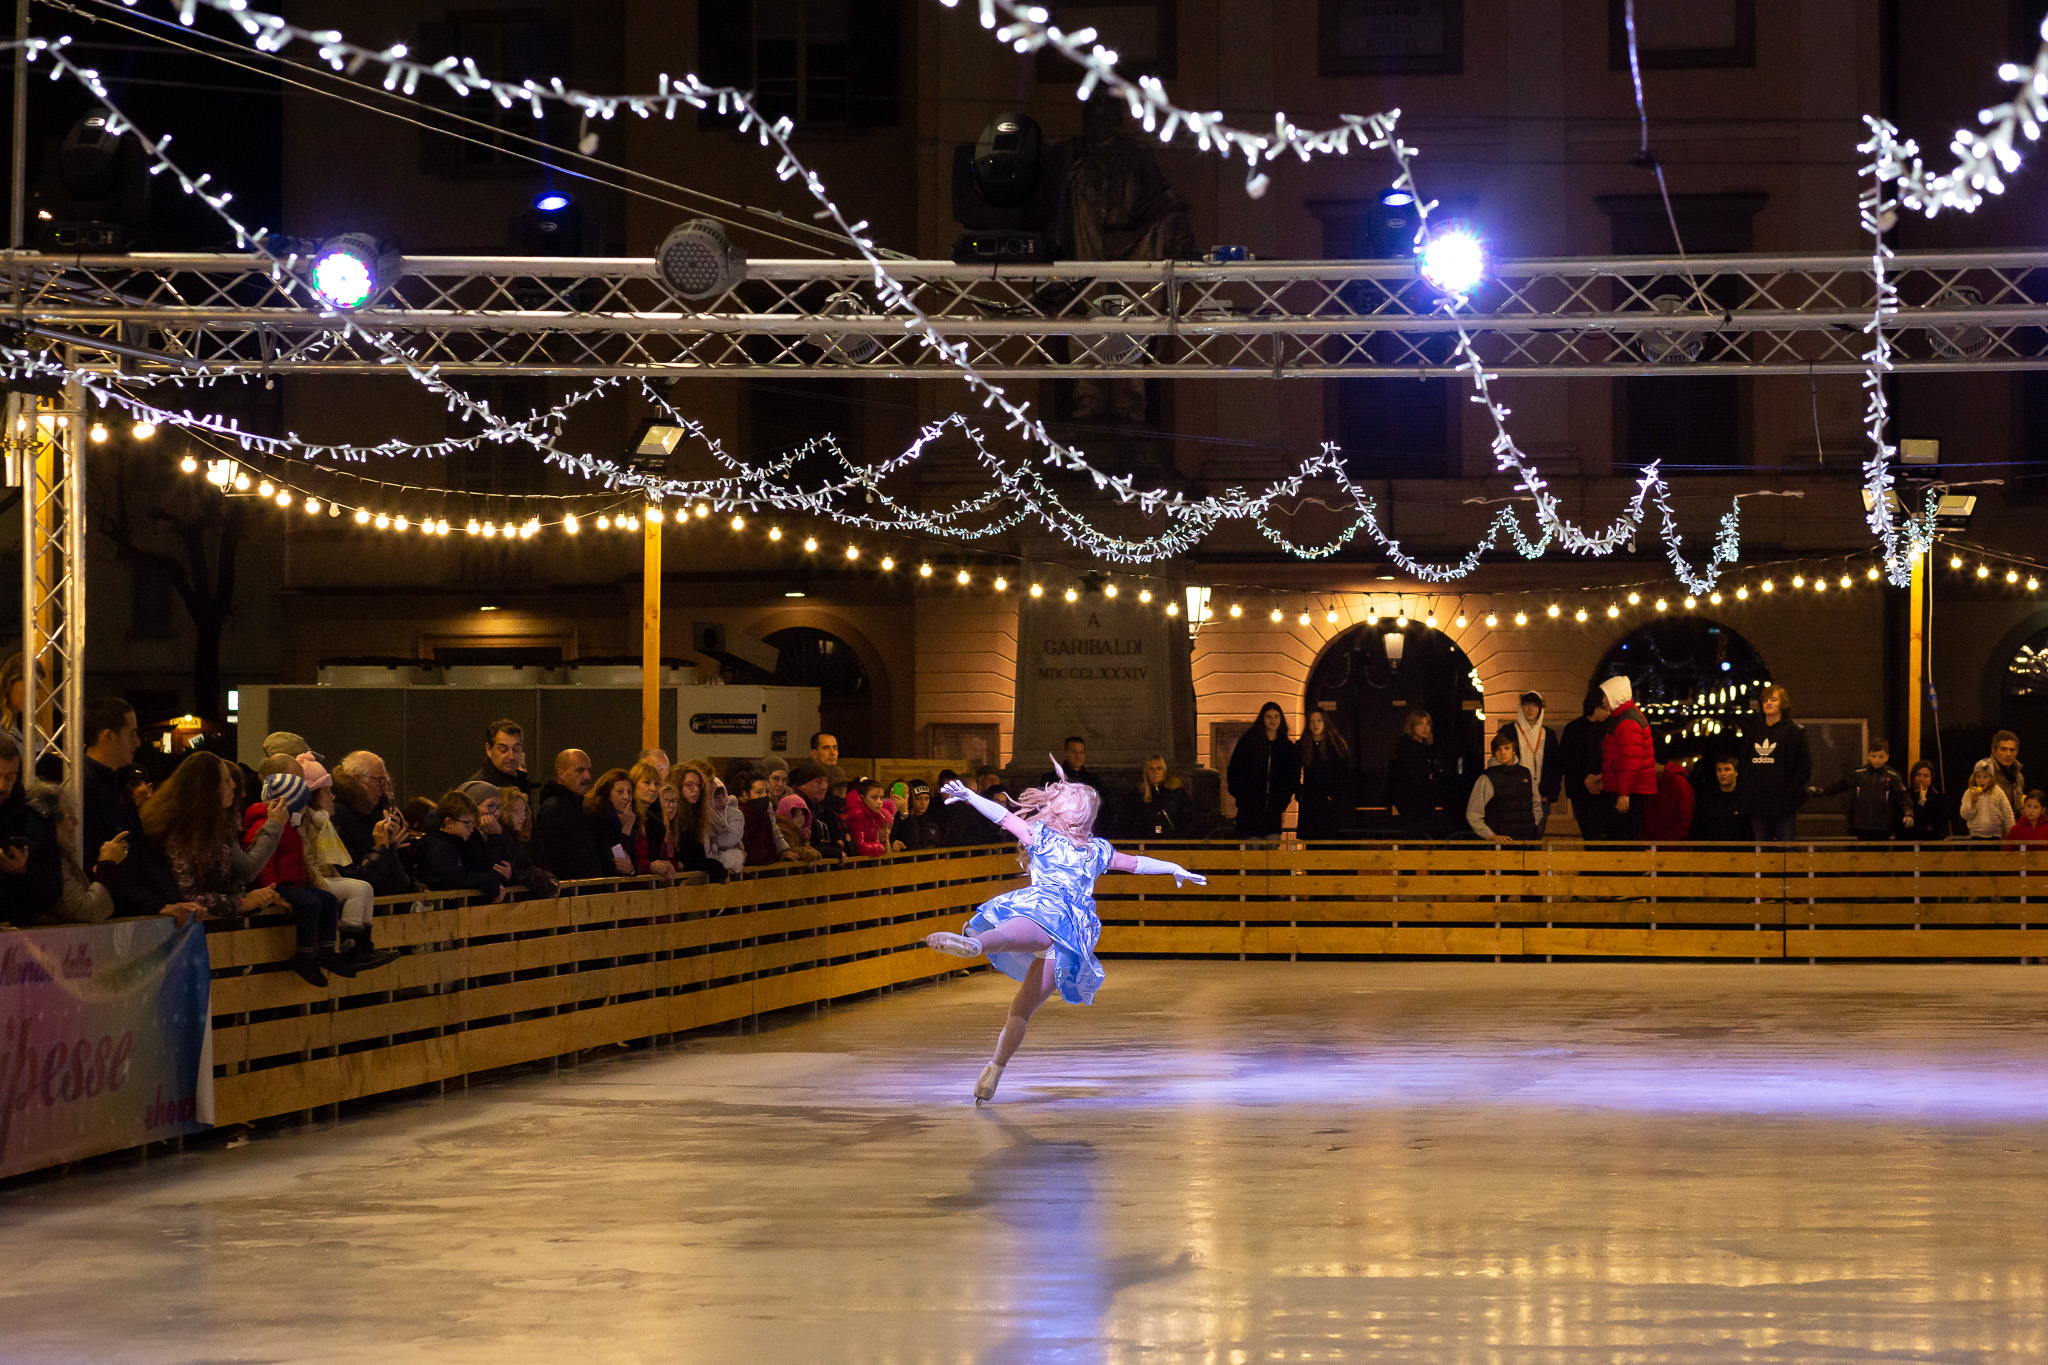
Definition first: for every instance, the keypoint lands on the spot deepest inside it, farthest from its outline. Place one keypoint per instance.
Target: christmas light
(810, 544)
(142, 431)
(570, 525)
(1304, 619)
(189, 465)
(888, 563)
(362, 517)
(655, 516)
(1661, 604)
(1276, 616)
(1768, 586)
(1580, 616)
(1742, 593)
(1983, 571)
(1001, 584)
(1109, 590)
(1038, 590)
(963, 579)
(1144, 594)
(853, 552)
(1235, 609)
(738, 523)
(1521, 618)
(1073, 596)
(1612, 611)
(775, 533)
(1553, 611)
(1173, 608)
(924, 571)
(1491, 620)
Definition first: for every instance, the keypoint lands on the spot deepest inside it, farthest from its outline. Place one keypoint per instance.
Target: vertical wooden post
(650, 632)
(1916, 656)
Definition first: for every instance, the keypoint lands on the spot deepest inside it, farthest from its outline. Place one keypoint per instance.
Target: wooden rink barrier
(487, 986)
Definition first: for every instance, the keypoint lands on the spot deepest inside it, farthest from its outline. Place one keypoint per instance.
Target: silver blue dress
(1061, 901)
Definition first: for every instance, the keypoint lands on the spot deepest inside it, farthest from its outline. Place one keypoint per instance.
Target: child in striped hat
(318, 912)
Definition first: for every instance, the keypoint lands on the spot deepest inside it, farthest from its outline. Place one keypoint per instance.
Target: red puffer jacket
(287, 866)
(867, 831)
(1628, 756)
(1669, 818)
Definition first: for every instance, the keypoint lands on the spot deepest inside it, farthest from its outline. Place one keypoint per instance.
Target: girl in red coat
(867, 818)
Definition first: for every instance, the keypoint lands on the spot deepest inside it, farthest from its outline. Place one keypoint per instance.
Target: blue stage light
(1454, 260)
(554, 201)
(1395, 199)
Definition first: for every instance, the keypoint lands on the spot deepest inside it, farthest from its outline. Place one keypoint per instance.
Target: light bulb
(1109, 589)
(630, 523)
(2033, 585)
(1236, 610)
(962, 578)
(1276, 616)
(1459, 621)
(99, 432)
(569, 524)
(189, 465)
(1430, 620)
(1798, 580)
(1872, 573)
(1002, 584)
(1038, 590)
(2011, 576)
(1145, 595)
(241, 483)
(1401, 621)
(810, 543)
(1690, 603)
(1612, 611)
(1173, 608)
(1742, 593)
(362, 517)
(703, 509)
(1955, 561)
(491, 530)
(1580, 616)
(1553, 611)
(739, 523)
(1521, 618)
(1768, 586)
(1491, 620)
(1661, 604)
(1331, 616)
(853, 552)
(400, 523)
(284, 498)
(383, 521)
(924, 571)
(312, 507)
(1715, 598)
(1983, 571)
(604, 523)
(1073, 595)
(1304, 618)
(1635, 599)
(888, 563)
(655, 516)
(1372, 618)
(474, 527)
(266, 488)
(142, 431)
(441, 527)
(775, 533)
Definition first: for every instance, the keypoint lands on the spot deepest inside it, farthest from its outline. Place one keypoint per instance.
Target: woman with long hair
(12, 691)
(1264, 774)
(649, 833)
(689, 829)
(609, 808)
(1929, 815)
(1325, 779)
(1043, 935)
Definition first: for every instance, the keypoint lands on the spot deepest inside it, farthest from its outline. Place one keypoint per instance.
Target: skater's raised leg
(1019, 935)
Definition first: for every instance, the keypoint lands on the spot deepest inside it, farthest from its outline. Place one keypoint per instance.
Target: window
(1673, 34)
(1390, 37)
(831, 63)
(1145, 34)
(507, 45)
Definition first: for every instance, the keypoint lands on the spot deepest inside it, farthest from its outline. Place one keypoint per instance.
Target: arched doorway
(1696, 681)
(1368, 686)
(846, 696)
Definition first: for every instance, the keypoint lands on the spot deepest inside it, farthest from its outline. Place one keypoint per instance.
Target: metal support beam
(1802, 315)
(52, 442)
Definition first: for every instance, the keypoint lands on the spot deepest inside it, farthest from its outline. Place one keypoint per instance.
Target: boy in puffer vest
(1504, 805)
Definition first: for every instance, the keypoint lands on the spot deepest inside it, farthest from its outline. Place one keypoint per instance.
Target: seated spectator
(650, 858)
(444, 860)
(504, 757)
(1163, 808)
(866, 819)
(2032, 826)
(287, 872)
(1504, 806)
(326, 855)
(827, 834)
(686, 812)
(793, 823)
(1719, 814)
(608, 810)
(916, 827)
(493, 847)
(1926, 814)
(1878, 801)
(1985, 812)
(143, 883)
(372, 830)
(567, 845)
(1668, 818)
(80, 898)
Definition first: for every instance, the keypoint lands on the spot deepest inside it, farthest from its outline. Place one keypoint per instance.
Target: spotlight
(352, 269)
(699, 261)
(552, 201)
(1453, 261)
(1396, 199)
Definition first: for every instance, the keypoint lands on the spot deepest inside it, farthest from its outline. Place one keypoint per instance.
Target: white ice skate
(954, 945)
(985, 1088)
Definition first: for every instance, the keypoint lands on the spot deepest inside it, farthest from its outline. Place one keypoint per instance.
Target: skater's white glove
(955, 791)
(1159, 867)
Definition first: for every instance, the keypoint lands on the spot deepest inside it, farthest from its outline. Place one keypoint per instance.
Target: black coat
(564, 842)
(143, 883)
(1415, 784)
(1578, 758)
(1719, 816)
(355, 820)
(28, 897)
(491, 775)
(1325, 792)
(1264, 776)
(828, 831)
(1877, 800)
(1170, 814)
(1775, 768)
(1933, 812)
(444, 865)
(485, 851)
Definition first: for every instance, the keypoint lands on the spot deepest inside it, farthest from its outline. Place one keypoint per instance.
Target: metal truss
(44, 443)
(1713, 315)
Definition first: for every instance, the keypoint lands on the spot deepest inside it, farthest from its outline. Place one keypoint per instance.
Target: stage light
(142, 431)
(189, 465)
(552, 201)
(699, 261)
(1453, 261)
(352, 269)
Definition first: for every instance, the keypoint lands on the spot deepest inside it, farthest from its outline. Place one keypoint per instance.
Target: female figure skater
(1044, 934)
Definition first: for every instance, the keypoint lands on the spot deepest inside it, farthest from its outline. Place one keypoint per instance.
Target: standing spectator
(1074, 757)
(1415, 781)
(916, 828)
(287, 871)
(1777, 768)
(686, 828)
(761, 840)
(1878, 803)
(866, 819)
(446, 862)
(144, 883)
(728, 836)
(1986, 813)
(1504, 806)
(649, 835)
(810, 781)
(2005, 767)
(1669, 817)
(1163, 810)
(494, 845)
(1578, 763)
(13, 690)
(1325, 780)
(825, 753)
(326, 854)
(2032, 826)
(608, 811)
(1264, 774)
(1538, 746)
(31, 861)
(777, 770)
(568, 848)
(793, 822)
(1718, 813)
(515, 818)
(658, 758)
(504, 757)
(1628, 762)
(191, 822)
(371, 826)
(1927, 814)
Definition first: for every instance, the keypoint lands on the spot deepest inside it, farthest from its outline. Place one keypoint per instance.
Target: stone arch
(763, 622)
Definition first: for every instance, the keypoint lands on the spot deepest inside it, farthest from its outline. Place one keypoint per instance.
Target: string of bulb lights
(1458, 259)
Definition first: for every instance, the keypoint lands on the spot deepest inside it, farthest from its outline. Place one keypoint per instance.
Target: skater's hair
(1067, 808)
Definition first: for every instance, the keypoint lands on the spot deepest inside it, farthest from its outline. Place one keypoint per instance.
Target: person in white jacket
(1985, 810)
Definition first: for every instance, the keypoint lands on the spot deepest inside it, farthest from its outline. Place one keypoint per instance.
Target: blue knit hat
(288, 787)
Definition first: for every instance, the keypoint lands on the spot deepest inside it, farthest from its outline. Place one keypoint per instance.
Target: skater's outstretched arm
(1154, 867)
(957, 791)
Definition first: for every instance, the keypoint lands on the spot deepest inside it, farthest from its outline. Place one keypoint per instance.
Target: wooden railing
(487, 986)
(1790, 901)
